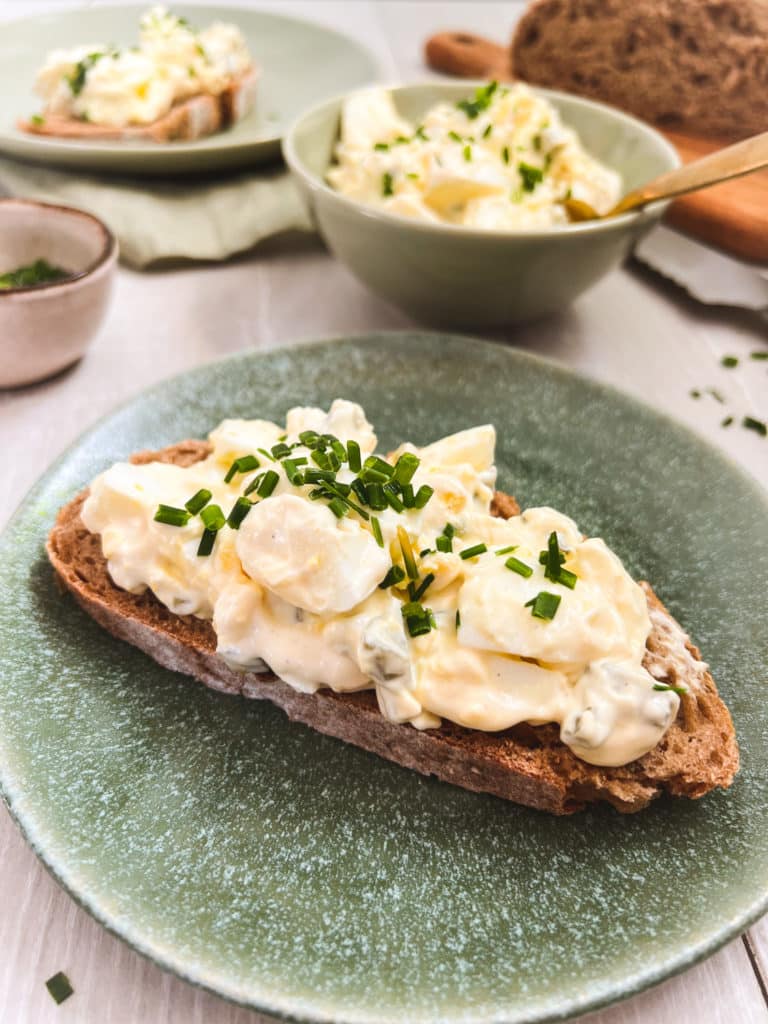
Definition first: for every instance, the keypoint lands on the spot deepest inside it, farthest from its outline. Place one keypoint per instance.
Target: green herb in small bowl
(39, 272)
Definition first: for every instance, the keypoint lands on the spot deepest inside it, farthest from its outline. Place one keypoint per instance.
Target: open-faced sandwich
(402, 604)
(178, 83)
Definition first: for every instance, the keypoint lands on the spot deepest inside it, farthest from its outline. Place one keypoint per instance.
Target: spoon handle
(741, 158)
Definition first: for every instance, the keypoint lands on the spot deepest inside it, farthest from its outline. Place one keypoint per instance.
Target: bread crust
(191, 119)
(526, 764)
(698, 66)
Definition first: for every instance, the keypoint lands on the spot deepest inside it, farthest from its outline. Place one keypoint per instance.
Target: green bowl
(455, 276)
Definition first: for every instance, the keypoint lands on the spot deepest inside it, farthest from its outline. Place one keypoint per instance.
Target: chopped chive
(679, 690)
(476, 549)
(407, 550)
(338, 507)
(382, 147)
(694, 393)
(239, 511)
(418, 619)
(762, 354)
(487, 131)
(59, 987)
(467, 151)
(716, 395)
(376, 498)
(309, 438)
(392, 498)
(266, 454)
(254, 484)
(339, 450)
(282, 437)
(387, 188)
(422, 588)
(242, 465)
(376, 531)
(444, 544)
(205, 547)
(316, 476)
(455, 136)
(280, 450)
(519, 567)
(336, 491)
(37, 119)
(213, 518)
(544, 605)
(353, 456)
(425, 552)
(507, 550)
(482, 100)
(171, 516)
(423, 495)
(552, 559)
(409, 498)
(729, 362)
(449, 530)
(757, 425)
(567, 578)
(458, 618)
(268, 484)
(530, 176)
(198, 501)
(505, 155)
(360, 490)
(405, 467)
(396, 574)
(373, 462)
(421, 134)
(292, 471)
(727, 421)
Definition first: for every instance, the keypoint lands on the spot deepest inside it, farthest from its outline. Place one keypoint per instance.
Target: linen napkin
(154, 219)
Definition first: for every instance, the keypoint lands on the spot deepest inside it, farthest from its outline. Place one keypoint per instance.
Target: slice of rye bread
(186, 121)
(527, 764)
(699, 66)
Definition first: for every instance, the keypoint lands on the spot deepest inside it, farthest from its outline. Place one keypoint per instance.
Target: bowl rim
(106, 254)
(444, 229)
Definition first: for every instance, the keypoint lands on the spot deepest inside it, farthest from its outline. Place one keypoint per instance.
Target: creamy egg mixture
(136, 86)
(502, 159)
(340, 568)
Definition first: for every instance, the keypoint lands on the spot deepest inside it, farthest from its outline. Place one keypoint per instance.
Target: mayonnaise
(137, 86)
(317, 588)
(502, 160)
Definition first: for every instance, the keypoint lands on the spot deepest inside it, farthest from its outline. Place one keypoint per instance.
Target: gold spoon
(732, 162)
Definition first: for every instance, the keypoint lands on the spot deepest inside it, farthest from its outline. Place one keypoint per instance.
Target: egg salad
(338, 567)
(499, 160)
(136, 86)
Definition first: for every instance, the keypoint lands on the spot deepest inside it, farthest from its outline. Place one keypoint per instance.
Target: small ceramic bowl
(46, 327)
(456, 276)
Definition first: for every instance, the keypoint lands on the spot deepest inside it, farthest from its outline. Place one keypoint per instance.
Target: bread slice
(699, 66)
(526, 764)
(192, 119)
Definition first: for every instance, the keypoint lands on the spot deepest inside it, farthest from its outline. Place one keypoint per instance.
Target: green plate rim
(569, 1007)
(54, 145)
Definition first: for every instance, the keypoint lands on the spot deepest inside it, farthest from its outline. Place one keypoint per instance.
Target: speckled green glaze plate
(306, 878)
(300, 63)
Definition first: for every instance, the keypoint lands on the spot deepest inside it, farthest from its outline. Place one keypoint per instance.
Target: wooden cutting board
(733, 216)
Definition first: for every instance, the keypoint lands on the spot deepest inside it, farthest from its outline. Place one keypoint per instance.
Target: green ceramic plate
(306, 878)
(301, 62)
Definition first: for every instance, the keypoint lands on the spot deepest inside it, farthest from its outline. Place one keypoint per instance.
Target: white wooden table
(629, 331)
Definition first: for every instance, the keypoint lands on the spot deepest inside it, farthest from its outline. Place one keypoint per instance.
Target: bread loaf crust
(698, 66)
(526, 764)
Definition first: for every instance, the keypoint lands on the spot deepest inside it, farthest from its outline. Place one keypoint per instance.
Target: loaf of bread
(526, 764)
(191, 119)
(699, 66)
